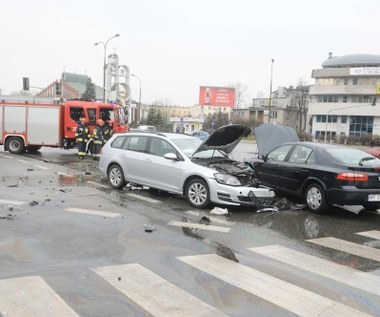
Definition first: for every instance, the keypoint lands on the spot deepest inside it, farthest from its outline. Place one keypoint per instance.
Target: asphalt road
(72, 246)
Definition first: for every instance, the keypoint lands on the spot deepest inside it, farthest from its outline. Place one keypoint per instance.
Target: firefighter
(107, 130)
(82, 136)
(98, 137)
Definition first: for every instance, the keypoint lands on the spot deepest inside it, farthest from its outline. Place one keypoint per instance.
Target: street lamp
(139, 107)
(105, 63)
(358, 106)
(270, 90)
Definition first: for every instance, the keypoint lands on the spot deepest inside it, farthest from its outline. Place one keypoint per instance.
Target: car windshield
(187, 145)
(353, 156)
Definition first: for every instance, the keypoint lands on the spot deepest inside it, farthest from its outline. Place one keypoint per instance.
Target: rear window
(353, 156)
(118, 142)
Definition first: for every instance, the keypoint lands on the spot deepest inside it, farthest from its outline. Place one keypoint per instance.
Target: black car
(321, 174)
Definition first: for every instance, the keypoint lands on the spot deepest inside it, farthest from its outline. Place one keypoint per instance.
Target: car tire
(116, 176)
(198, 193)
(315, 198)
(15, 145)
(371, 207)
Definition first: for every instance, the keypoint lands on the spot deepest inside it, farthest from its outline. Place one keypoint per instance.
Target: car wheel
(116, 176)
(197, 193)
(315, 198)
(15, 145)
(371, 207)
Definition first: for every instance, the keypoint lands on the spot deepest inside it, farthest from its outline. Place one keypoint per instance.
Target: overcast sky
(175, 46)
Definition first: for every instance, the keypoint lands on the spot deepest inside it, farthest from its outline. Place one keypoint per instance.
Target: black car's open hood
(225, 138)
(271, 135)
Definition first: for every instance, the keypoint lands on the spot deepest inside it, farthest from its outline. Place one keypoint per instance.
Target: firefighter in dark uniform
(82, 136)
(107, 130)
(98, 139)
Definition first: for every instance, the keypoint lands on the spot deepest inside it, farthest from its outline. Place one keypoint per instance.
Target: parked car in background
(321, 174)
(203, 135)
(182, 164)
(150, 128)
(374, 151)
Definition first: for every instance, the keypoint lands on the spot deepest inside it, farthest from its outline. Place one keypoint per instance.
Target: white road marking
(374, 234)
(41, 167)
(154, 294)
(97, 184)
(198, 226)
(11, 202)
(65, 174)
(337, 272)
(32, 297)
(349, 247)
(23, 161)
(149, 200)
(283, 294)
(94, 212)
(215, 219)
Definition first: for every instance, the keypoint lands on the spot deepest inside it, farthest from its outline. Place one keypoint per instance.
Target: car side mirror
(171, 156)
(263, 157)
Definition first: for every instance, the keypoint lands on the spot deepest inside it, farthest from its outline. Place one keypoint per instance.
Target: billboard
(217, 96)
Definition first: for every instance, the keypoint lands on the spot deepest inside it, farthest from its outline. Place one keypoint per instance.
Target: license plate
(374, 197)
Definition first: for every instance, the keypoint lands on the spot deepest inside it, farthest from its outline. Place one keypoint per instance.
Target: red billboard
(217, 96)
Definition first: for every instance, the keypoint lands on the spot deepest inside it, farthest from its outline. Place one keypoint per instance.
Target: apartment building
(341, 101)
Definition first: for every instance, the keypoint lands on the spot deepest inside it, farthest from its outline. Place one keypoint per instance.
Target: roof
(352, 60)
(76, 78)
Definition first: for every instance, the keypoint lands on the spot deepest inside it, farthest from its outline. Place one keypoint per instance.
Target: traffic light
(57, 88)
(25, 83)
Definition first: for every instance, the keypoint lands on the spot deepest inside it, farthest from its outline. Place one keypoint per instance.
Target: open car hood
(225, 138)
(271, 135)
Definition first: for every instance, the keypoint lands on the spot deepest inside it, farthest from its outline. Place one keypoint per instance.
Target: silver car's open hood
(225, 138)
(271, 135)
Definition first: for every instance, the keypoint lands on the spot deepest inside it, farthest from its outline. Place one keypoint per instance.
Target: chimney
(330, 55)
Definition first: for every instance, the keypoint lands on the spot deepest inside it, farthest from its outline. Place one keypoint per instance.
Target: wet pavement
(59, 220)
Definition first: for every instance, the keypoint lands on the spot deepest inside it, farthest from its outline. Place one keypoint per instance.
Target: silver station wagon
(182, 164)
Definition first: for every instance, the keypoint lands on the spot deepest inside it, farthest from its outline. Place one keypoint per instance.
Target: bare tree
(241, 93)
(301, 100)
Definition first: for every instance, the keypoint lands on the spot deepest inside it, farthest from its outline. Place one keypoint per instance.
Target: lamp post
(139, 107)
(358, 106)
(270, 90)
(105, 62)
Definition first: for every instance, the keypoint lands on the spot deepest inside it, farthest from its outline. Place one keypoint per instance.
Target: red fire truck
(29, 126)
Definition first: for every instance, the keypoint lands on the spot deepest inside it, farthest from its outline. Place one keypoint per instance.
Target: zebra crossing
(32, 296)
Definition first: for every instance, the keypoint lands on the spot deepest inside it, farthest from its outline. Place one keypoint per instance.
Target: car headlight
(227, 179)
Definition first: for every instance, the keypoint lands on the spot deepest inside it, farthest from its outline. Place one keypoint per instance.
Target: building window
(355, 81)
(333, 118)
(361, 125)
(344, 119)
(320, 118)
(345, 81)
(344, 98)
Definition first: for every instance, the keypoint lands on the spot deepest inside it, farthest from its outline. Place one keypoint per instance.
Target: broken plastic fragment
(149, 228)
(219, 211)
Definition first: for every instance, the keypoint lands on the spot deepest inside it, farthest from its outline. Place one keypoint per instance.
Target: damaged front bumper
(240, 195)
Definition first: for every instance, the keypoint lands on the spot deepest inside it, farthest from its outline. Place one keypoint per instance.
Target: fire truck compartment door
(1, 124)
(43, 126)
(14, 119)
